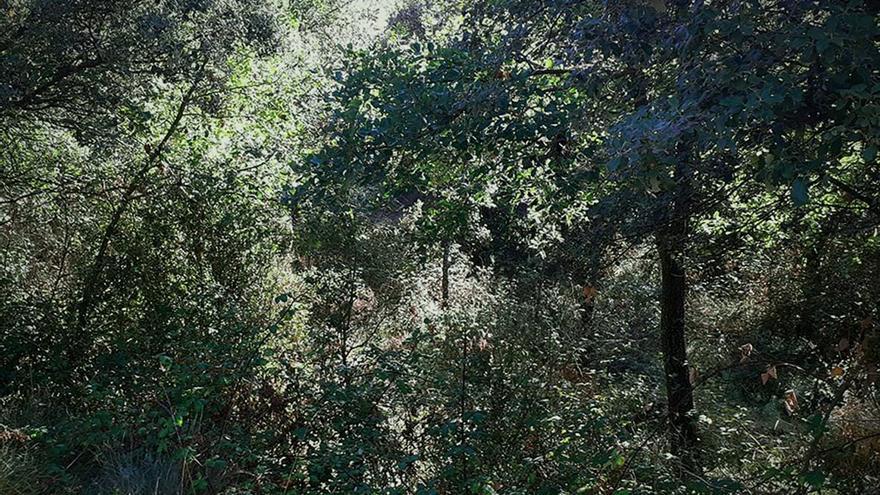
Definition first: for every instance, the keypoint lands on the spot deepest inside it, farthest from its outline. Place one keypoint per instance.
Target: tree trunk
(679, 392)
(444, 277)
(586, 354)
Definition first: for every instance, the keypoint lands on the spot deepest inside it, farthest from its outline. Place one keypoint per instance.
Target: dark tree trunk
(671, 242)
(679, 393)
(586, 354)
(444, 277)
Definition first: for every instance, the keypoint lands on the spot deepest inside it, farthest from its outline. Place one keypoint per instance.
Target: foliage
(426, 247)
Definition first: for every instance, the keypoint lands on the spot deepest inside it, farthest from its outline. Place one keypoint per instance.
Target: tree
(642, 118)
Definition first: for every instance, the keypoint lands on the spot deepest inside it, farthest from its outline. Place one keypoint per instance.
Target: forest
(439, 247)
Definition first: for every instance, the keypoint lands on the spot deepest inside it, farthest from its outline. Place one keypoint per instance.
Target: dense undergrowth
(333, 247)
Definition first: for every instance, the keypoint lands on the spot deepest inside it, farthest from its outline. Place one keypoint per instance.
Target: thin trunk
(80, 343)
(679, 391)
(444, 277)
(671, 243)
(462, 413)
(586, 354)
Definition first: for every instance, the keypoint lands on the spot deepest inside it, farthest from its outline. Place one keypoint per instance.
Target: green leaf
(404, 463)
(200, 485)
(815, 479)
(165, 362)
(816, 425)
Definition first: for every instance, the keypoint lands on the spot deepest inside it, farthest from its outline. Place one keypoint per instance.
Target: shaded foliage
(482, 247)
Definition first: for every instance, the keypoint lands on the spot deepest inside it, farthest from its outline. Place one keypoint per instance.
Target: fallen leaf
(693, 375)
(590, 293)
(837, 372)
(843, 344)
(767, 375)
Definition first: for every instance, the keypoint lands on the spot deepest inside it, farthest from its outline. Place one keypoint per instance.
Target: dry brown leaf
(837, 372)
(767, 375)
(590, 293)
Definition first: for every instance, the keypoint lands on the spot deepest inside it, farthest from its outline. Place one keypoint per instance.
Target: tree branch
(110, 230)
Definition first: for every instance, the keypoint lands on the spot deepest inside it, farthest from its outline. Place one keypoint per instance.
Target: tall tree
(603, 121)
